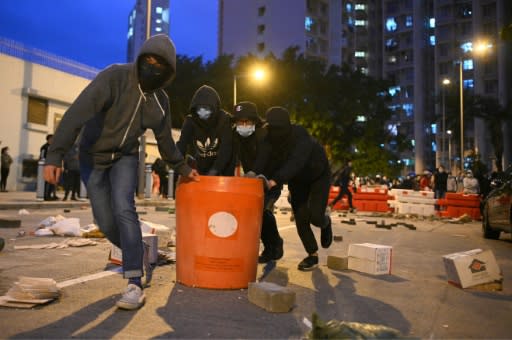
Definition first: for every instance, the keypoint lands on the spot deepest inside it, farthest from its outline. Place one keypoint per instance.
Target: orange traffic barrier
(218, 224)
(369, 198)
(342, 204)
(458, 204)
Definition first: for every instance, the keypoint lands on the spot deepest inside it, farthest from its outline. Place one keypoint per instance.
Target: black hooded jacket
(210, 140)
(298, 157)
(114, 112)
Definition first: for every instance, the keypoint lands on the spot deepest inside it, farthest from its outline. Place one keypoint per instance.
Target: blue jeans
(111, 193)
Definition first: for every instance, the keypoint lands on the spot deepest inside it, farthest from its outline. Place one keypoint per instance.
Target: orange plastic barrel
(218, 225)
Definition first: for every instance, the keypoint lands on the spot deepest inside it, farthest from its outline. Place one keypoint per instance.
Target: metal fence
(37, 56)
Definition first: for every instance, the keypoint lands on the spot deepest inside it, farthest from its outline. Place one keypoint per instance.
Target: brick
(8, 223)
(271, 297)
(337, 262)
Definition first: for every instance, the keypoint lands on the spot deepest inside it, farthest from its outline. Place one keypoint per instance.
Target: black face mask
(152, 77)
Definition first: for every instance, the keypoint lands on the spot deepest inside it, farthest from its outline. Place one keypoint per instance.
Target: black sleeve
(185, 140)
(225, 153)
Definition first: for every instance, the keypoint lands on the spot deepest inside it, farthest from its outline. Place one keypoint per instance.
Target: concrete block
(271, 297)
(9, 223)
(337, 262)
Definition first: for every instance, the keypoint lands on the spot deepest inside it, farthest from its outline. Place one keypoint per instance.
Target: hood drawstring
(141, 92)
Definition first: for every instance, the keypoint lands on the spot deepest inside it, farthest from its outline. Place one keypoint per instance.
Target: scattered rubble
(28, 292)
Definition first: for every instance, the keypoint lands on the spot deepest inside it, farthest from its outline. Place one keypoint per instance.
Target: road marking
(91, 277)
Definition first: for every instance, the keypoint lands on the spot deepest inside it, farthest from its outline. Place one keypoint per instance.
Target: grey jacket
(115, 112)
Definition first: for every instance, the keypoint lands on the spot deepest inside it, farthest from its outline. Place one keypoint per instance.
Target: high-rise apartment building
(261, 27)
(138, 29)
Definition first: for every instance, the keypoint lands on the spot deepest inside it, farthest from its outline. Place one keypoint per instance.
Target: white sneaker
(133, 298)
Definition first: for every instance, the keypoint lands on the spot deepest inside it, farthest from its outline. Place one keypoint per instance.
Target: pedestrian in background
(248, 137)
(6, 161)
(112, 112)
(343, 180)
(293, 156)
(207, 134)
(470, 183)
(440, 179)
(50, 190)
(71, 174)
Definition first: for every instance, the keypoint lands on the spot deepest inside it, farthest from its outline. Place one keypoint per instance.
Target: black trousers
(309, 201)
(269, 234)
(3, 181)
(343, 191)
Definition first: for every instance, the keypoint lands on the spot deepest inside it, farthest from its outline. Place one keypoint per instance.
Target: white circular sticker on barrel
(222, 224)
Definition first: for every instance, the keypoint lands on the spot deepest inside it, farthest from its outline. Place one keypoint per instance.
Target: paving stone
(337, 262)
(271, 297)
(9, 223)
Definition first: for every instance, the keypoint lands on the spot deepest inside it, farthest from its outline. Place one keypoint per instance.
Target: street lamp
(257, 74)
(479, 48)
(446, 82)
(449, 132)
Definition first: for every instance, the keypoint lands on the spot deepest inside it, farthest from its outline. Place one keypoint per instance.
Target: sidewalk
(27, 200)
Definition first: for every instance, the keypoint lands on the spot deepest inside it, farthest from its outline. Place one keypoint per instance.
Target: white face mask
(245, 130)
(204, 113)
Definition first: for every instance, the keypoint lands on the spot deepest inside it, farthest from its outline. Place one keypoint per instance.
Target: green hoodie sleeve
(92, 100)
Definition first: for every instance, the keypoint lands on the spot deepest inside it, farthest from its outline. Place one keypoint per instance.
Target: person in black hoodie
(111, 113)
(249, 134)
(291, 155)
(206, 134)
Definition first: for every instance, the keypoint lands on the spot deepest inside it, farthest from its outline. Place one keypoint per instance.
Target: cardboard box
(116, 255)
(471, 268)
(370, 258)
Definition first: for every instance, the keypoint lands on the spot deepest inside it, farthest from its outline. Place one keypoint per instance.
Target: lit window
(432, 40)
(165, 16)
(467, 47)
(467, 64)
(408, 21)
(159, 10)
(408, 108)
(394, 90)
(158, 21)
(468, 83)
(130, 32)
(361, 119)
(359, 54)
(348, 6)
(432, 22)
(158, 29)
(433, 127)
(364, 70)
(360, 7)
(434, 147)
(392, 128)
(360, 23)
(391, 24)
(413, 142)
(308, 23)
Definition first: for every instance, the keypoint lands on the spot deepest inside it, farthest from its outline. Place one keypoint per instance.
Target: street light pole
(446, 82)
(461, 104)
(234, 90)
(449, 132)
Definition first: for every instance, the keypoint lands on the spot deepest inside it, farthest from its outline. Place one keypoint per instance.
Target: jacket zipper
(129, 126)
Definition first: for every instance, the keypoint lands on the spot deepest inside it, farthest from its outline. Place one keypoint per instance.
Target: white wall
(20, 78)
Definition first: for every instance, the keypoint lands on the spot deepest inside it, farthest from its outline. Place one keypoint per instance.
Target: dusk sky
(93, 32)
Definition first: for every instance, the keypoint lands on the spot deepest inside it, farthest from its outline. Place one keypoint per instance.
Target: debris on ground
(80, 242)
(335, 329)
(28, 292)
(465, 218)
(23, 212)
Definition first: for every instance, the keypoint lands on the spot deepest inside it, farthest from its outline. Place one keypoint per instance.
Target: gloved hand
(250, 174)
(212, 172)
(191, 162)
